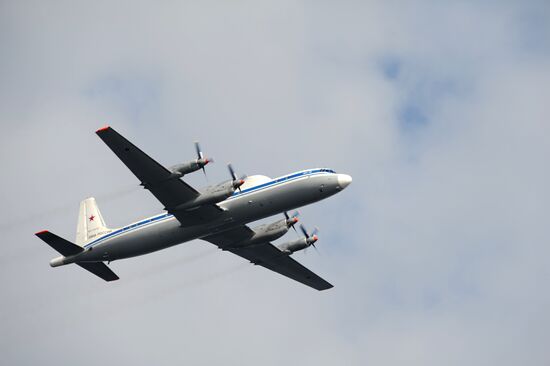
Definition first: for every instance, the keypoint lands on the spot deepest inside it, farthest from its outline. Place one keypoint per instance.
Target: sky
(439, 110)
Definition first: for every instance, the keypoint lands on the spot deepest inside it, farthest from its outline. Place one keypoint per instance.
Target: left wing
(168, 188)
(266, 255)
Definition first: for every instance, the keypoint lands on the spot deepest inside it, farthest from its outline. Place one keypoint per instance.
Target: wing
(168, 188)
(266, 255)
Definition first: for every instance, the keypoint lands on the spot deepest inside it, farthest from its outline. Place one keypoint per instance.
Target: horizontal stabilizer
(100, 269)
(63, 246)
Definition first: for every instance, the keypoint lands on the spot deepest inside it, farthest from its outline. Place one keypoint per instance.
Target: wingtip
(41, 232)
(104, 128)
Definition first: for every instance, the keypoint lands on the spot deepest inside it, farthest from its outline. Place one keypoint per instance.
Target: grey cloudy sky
(439, 110)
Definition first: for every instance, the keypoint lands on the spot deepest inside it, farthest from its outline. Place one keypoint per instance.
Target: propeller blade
(304, 231)
(291, 221)
(201, 160)
(234, 176)
(198, 149)
(232, 171)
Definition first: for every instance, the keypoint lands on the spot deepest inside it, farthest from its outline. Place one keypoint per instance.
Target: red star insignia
(92, 218)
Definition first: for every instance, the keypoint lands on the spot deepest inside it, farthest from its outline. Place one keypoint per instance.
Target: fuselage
(254, 202)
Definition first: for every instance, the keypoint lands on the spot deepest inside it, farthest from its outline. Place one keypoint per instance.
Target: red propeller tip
(295, 220)
(315, 238)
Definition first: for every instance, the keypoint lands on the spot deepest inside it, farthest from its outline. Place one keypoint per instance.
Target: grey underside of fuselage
(240, 209)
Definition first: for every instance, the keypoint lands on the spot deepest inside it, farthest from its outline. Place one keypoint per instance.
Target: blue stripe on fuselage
(162, 217)
(131, 227)
(278, 180)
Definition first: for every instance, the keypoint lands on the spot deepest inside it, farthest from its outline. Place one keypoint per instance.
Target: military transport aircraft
(217, 214)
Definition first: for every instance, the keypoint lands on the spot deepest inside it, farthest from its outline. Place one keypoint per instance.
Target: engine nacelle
(268, 232)
(212, 195)
(299, 244)
(296, 245)
(204, 199)
(189, 167)
(207, 198)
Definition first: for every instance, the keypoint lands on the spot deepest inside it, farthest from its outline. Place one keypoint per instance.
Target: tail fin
(90, 222)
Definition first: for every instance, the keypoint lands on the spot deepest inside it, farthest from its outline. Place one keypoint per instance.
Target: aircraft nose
(344, 180)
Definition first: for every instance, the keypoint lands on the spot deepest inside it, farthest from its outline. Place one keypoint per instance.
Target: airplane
(218, 214)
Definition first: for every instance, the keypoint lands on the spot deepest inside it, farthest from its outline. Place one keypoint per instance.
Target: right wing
(169, 189)
(266, 255)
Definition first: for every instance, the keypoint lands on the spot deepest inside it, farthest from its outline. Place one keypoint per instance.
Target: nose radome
(344, 180)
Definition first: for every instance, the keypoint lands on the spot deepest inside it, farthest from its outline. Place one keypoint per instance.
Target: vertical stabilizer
(90, 222)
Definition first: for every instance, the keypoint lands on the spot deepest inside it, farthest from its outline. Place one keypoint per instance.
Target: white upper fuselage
(260, 197)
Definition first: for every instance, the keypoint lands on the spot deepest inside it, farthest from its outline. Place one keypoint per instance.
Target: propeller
(237, 182)
(201, 160)
(312, 237)
(291, 221)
